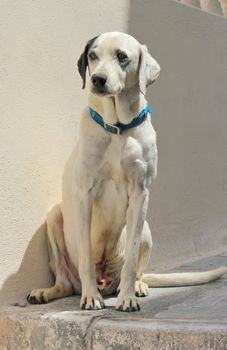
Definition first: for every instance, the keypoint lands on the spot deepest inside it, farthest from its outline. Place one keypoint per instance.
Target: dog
(99, 241)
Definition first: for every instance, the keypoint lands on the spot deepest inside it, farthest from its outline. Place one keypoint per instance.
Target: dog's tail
(183, 278)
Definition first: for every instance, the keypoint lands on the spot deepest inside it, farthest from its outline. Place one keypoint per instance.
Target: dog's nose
(99, 80)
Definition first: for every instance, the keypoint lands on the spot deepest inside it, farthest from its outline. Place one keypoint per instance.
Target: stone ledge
(187, 318)
(105, 330)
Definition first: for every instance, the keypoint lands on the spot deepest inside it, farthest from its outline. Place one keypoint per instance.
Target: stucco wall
(41, 100)
(188, 204)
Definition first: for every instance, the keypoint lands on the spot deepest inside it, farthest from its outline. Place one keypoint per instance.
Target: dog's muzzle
(99, 82)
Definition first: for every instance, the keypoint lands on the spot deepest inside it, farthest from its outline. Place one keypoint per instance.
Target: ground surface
(170, 318)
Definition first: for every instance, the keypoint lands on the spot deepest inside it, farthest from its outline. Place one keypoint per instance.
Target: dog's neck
(121, 108)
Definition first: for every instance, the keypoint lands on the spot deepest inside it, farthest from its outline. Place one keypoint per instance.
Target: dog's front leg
(136, 214)
(91, 298)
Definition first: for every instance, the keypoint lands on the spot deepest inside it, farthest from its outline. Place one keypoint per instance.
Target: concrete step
(218, 7)
(170, 319)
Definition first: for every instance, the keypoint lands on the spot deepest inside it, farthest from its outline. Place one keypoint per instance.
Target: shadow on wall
(33, 272)
(188, 201)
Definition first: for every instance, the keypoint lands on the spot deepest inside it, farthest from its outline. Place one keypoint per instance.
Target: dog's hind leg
(141, 288)
(55, 239)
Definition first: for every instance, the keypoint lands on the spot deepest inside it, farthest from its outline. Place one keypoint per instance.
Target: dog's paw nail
(120, 308)
(33, 300)
(43, 301)
(103, 306)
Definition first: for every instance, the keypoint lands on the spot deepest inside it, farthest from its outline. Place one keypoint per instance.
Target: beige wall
(188, 206)
(41, 99)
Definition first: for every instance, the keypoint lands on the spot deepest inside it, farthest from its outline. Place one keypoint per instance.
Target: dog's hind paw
(141, 289)
(37, 296)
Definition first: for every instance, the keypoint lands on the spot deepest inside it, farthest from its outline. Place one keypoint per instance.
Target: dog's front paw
(92, 302)
(127, 303)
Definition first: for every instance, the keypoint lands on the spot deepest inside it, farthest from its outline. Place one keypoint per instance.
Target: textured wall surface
(188, 203)
(41, 100)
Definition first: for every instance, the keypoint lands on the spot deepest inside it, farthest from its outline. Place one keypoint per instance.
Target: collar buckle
(112, 126)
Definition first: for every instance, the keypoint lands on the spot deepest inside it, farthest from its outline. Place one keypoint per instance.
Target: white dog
(98, 238)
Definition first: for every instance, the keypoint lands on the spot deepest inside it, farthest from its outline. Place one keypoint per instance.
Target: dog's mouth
(103, 92)
(100, 92)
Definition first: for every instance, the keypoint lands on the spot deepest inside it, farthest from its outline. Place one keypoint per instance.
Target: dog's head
(116, 62)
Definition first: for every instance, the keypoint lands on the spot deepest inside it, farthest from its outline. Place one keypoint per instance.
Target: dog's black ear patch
(82, 63)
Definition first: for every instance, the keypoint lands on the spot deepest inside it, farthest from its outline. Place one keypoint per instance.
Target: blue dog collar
(119, 128)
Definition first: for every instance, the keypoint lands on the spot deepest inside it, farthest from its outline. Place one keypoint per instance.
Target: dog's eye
(92, 56)
(122, 57)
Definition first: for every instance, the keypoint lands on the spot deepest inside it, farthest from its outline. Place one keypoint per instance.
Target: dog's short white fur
(99, 241)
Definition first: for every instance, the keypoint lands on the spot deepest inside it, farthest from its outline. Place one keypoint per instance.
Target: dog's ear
(82, 63)
(149, 69)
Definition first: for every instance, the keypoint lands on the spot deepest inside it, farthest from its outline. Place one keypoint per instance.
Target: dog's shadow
(33, 272)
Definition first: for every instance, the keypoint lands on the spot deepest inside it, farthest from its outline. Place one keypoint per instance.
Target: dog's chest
(121, 162)
(111, 182)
